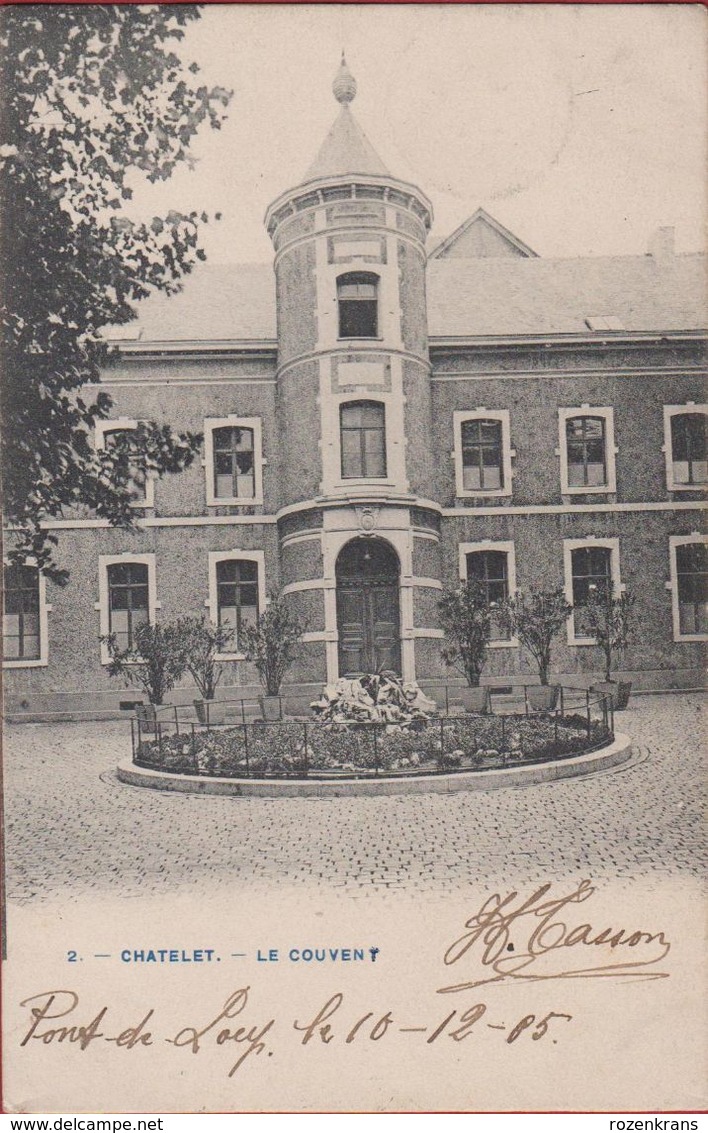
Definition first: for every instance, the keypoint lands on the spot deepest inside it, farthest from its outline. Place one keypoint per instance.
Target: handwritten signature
(521, 938)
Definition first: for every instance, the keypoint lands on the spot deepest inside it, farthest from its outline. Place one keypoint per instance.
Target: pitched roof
(481, 236)
(477, 297)
(218, 302)
(537, 296)
(346, 149)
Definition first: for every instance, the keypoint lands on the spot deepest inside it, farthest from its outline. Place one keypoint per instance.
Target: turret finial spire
(344, 85)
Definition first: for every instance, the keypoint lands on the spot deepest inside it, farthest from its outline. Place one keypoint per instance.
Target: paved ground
(71, 827)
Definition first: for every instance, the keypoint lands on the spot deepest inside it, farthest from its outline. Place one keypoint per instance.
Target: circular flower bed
(294, 749)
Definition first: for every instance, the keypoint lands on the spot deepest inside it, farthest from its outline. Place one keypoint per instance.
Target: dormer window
(358, 304)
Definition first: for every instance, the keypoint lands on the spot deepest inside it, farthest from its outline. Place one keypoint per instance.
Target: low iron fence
(312, 748)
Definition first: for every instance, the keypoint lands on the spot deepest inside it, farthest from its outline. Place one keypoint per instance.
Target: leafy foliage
(272, 644)
(466, 618)
(156, 662)
(609, 619)
(92, 97)
(536, 620)
(203, 641)
(287, 750)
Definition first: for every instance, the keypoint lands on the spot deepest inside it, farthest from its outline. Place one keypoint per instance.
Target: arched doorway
(368, 618)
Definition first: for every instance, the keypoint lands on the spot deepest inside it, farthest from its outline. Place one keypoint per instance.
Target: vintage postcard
(354, 431)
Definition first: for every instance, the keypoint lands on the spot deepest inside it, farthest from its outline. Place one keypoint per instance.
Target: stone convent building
(382, 419)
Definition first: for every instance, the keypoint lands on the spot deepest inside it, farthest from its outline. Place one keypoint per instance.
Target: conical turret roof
(346, 149)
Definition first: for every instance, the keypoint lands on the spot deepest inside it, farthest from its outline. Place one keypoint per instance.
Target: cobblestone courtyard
(71, 828)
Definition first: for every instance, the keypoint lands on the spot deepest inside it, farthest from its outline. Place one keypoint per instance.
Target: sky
(582, 128)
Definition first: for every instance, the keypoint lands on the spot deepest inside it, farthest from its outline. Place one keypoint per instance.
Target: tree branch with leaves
(94, 98)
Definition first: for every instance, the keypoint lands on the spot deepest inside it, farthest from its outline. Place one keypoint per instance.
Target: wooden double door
(368, 611)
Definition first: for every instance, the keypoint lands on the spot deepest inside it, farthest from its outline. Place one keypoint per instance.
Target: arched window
(358, 304)
(363, 440)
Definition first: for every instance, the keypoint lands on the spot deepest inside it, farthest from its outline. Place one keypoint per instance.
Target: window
(585, 446)
(489, 568)
(482, 452)
(587, 450)
(685, 446)
(689, 586)
(233, 460)
(237, 593)
(233, 463)
(127, 598)
(21, 614)
(128, 601)
(107, 433)
(363, 439)
(494, 566)
(357, 301)
(591, 568)
(482, 467)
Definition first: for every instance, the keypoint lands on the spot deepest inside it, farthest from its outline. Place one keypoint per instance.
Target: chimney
(661, 244)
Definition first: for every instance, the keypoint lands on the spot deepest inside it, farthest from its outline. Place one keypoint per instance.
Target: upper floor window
(363, 440)
(482, 465)
(482, 452)
(233, 460)
(234, 474)
(357, 302)
(128, 601)
(592, 570)
(685, 446)
(21, 614)
(585, 444)
(108, 435)
(587, 450)
(689, 583)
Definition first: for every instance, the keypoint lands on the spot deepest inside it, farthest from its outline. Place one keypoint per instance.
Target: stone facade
(358, 461)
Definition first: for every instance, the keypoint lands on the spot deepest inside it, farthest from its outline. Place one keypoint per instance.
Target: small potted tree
(203, 642)
(608, 618)
(466, 617)
(155, 662)
(272, 645)
(536, 620)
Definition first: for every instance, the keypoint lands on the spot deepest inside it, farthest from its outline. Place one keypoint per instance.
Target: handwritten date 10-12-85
(335, 1022)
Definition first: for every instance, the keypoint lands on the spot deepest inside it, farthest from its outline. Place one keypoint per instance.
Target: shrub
(156, 661)
(466, 616)
(609, 620)
(203, 642)
(536, 620)
(272, 643)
